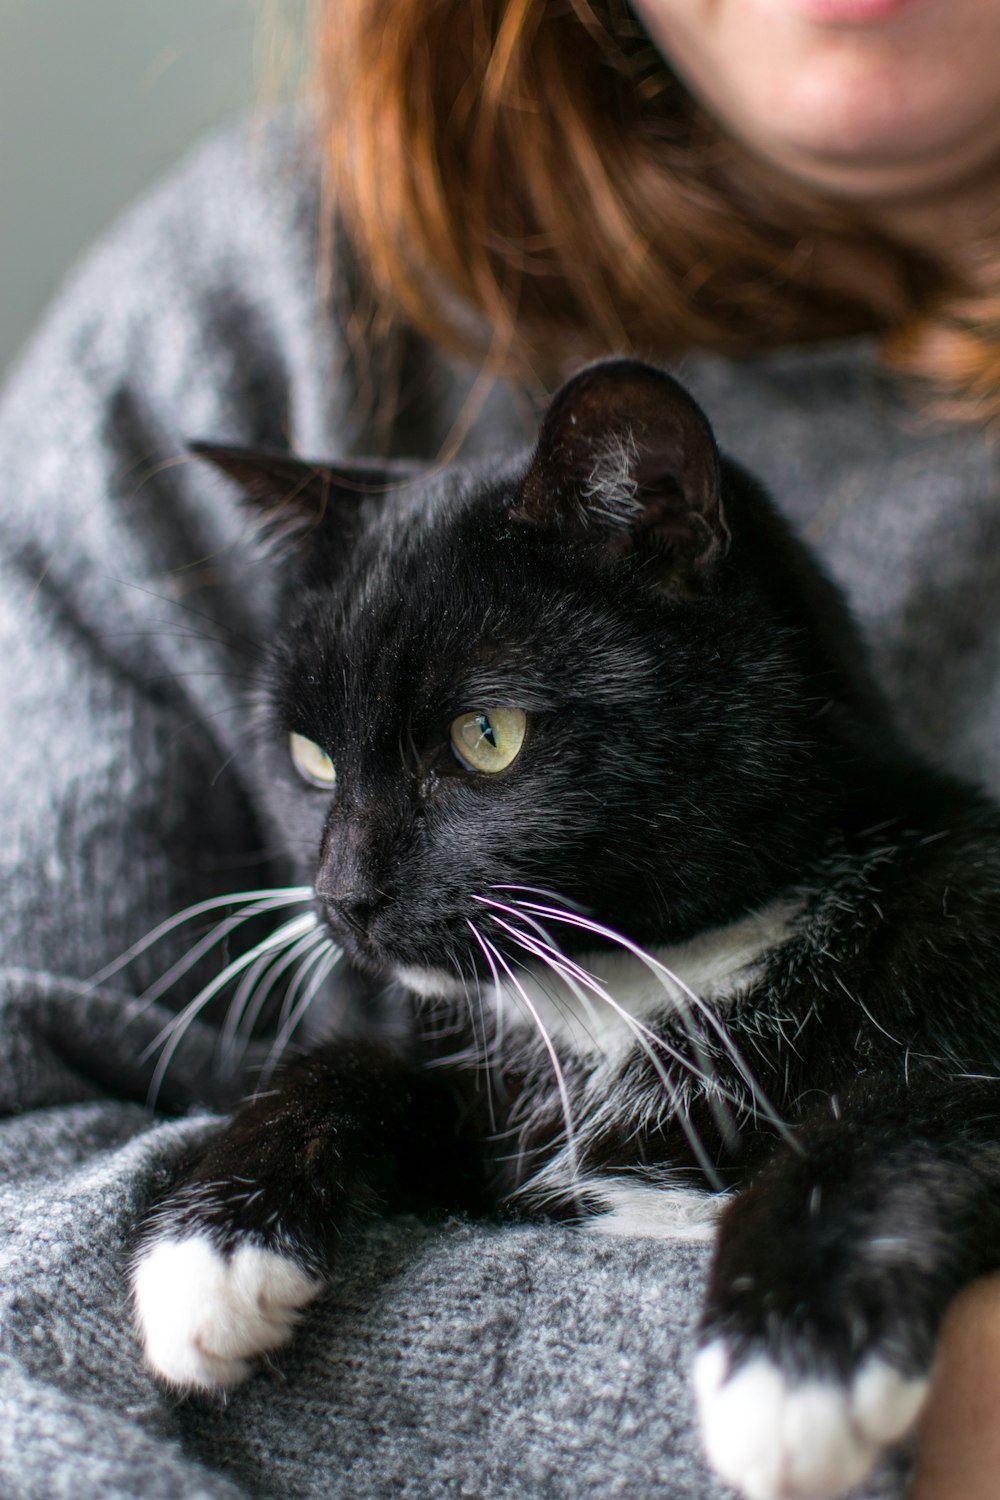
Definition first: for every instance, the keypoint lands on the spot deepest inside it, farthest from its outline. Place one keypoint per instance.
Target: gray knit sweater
(447, 1360)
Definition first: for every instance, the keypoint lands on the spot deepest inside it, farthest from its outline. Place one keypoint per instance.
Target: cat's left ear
(292, 497)
(626, 460)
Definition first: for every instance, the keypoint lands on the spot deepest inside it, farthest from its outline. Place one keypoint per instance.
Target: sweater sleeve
(129, 598)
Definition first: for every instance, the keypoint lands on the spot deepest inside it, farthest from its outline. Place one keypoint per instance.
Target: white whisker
(327, 958)
(673, 985)
(171, 1034)
(217, 935)
(494, 956)
(308, 954)
(545, 937)
(275, 897)
(702, 1068)
(548, 950)
(488, 1050)
(566, 902)
(240, 1034)
(247, 1003)
(275, 968)
(647, 1040)
(485, 1046)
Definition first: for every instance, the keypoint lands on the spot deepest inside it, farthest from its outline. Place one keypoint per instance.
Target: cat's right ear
(292, 498)
(626, 463)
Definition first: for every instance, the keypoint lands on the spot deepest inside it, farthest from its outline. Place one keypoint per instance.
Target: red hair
(525, 180)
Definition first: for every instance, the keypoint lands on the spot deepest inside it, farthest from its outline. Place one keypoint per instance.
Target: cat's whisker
(677, 990)
(275, 897)
(309, 955)
(224, 767)
(231, 1046)
(566, 903)
(488, 1043)
(494, 957)
(545, 937)
(576, 976)
(169, 1038)
(324, 962)
(489, 1048)
(674, 986)
(478, 1026)
(647, 1040)
(204, 717)
(564, 1101)
(197, 951)
(234, 1038)
(291, 933)
(172, 633)
(558, 963)
(700, 1068)
(248, 1001)
(679, 993)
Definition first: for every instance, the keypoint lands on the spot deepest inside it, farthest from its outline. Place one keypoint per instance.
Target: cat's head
(557, 673)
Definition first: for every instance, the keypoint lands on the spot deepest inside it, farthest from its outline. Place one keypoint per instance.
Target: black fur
(703, 739)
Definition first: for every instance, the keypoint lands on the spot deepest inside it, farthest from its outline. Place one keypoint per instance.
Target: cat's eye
(488, 739)
(312, 763)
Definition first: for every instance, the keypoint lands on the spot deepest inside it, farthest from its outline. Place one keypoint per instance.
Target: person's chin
(841, 12)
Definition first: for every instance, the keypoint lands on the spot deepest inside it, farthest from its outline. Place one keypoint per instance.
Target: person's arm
(130, 607)
(959, 1438)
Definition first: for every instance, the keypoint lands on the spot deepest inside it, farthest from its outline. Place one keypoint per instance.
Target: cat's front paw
(204, 1313)
(779, 1435)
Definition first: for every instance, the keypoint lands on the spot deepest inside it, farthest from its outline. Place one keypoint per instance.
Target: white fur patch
(611, 490)
(647, 1210)
(203, 1315)
(717, 965)
(432, 984)
(778, 1438)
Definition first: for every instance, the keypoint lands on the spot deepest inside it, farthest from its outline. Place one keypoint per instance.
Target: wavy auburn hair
(526, 181)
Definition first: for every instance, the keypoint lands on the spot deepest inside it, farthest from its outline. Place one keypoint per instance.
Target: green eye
(312, 763)
(488, 739)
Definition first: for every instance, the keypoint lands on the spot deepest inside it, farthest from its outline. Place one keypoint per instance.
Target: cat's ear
(626, 459)
(292, 497)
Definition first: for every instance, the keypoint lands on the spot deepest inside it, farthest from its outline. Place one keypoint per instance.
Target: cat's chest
(600, 1003)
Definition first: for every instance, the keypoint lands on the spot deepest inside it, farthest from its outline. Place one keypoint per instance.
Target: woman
(827, 166)
(535, 171)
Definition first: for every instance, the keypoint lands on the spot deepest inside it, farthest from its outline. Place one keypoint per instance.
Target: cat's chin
(430, 983)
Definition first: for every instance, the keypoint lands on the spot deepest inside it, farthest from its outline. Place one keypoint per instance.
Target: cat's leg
(831, 1277)
(244, 1242)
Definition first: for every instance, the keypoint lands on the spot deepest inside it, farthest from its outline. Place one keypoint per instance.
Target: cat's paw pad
(778, 1436)
(204, 1314)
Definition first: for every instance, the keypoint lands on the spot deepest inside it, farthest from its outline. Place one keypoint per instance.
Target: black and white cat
(583, 769)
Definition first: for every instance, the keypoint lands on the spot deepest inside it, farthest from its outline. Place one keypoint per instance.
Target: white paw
(776, 1437)
(204, 1315)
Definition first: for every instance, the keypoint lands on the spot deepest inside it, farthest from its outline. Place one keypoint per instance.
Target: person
(789, 199)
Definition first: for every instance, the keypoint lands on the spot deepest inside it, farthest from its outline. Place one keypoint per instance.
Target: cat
(586, 775)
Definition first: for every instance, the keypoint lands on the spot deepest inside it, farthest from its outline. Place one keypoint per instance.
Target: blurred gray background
(97, 98)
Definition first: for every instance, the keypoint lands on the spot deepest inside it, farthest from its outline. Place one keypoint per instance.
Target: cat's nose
(356, 910)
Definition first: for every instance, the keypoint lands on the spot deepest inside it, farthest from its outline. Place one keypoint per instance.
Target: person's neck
(952, 225)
